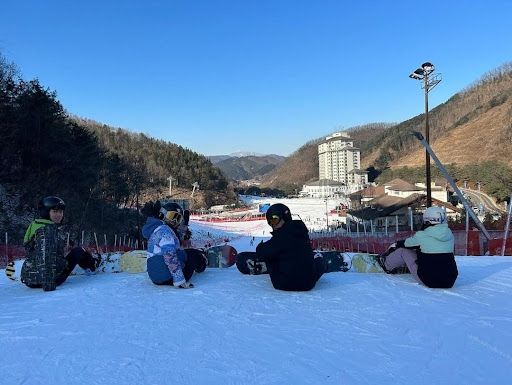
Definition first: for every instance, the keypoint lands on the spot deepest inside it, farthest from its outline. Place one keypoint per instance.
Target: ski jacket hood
(33, 227)
(150, 226)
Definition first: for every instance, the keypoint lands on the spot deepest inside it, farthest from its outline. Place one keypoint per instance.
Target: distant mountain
(249, 167)
(239, 154)
(218, 158)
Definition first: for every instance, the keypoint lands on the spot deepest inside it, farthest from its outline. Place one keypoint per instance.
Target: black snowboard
(248, 263)
(335, 261)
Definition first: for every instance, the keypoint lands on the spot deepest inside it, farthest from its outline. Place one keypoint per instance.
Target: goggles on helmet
(172, 217)
(273, 220)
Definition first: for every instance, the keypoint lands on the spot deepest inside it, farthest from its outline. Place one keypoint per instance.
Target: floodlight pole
(427, 137)
(428, 84)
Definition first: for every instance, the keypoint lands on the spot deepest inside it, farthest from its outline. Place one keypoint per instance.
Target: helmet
(48, 203)
(434, 215)
(280, 211)
(171, 213)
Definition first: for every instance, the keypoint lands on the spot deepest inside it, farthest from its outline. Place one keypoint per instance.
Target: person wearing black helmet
(46, 266)
(288, 255)
(167, 262)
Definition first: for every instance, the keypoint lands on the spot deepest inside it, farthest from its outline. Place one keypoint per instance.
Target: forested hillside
(158, 159)
(103, 174)
(472, 126)
(472, 132)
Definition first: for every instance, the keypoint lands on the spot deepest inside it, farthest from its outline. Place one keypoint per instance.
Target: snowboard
(367, 263)
(134, 261)
(335, 261)
(110, 263)
(247, 262)
(221, 256)
(13, 269)
(364, 263)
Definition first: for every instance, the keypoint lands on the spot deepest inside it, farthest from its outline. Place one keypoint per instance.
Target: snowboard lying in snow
(364, 262)
(221, 256)
(134, 261)
(131, 262)
(248, 263)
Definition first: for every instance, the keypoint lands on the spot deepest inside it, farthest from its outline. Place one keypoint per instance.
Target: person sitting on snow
(288, 255)
(167, 262)
(45, 266)
(428, 254)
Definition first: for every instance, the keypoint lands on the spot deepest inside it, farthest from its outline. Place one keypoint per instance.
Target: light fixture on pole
(429, 82)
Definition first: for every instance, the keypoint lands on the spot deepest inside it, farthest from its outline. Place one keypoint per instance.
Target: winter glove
(186, 285)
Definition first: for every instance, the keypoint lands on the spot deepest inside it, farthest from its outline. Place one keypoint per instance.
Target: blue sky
(221, 76)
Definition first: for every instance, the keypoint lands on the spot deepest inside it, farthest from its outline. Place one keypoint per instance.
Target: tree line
(100, 172)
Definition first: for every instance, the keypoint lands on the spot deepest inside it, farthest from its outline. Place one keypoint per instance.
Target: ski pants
(159, 273)
(403, 257)
(77, 256)
(319, 267)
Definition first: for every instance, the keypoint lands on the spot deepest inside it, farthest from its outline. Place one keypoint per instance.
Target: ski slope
(234, 329)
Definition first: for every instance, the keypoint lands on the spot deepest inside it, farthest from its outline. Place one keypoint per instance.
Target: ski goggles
(273, 220)
(172, 217)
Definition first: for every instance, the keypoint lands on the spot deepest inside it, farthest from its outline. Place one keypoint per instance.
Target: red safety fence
(378, 243)
(231, 219)
(496, 245)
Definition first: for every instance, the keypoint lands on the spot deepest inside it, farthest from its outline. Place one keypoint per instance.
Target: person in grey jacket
(428, 254)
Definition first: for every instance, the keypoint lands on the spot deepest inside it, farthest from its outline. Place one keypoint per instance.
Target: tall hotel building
(340, 161)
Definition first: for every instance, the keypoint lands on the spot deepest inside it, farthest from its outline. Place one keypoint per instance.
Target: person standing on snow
(428, 254)
(288, 255)
(45, 266)
(167, 261)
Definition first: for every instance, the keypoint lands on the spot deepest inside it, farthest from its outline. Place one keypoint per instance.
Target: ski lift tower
(170, 179)
(195, 186)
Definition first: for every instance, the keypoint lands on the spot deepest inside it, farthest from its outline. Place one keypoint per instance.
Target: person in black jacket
(46, 266)
(288, 255)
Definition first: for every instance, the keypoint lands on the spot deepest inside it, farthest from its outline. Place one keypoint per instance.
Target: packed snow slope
(235, 329)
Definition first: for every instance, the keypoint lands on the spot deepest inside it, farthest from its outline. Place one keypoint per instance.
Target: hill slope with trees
(102, 173)
(472, 132)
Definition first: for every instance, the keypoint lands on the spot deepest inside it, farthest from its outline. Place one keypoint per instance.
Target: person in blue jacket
(167, 261)
(428, 254)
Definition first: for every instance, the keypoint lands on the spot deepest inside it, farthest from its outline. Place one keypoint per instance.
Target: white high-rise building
(340, 161)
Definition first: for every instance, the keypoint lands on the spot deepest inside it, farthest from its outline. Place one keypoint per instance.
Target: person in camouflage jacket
(46, 266)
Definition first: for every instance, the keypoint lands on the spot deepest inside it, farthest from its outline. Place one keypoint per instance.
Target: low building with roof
(326, 188)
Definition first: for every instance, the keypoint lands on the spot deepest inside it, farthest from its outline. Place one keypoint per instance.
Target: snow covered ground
(234, 329)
